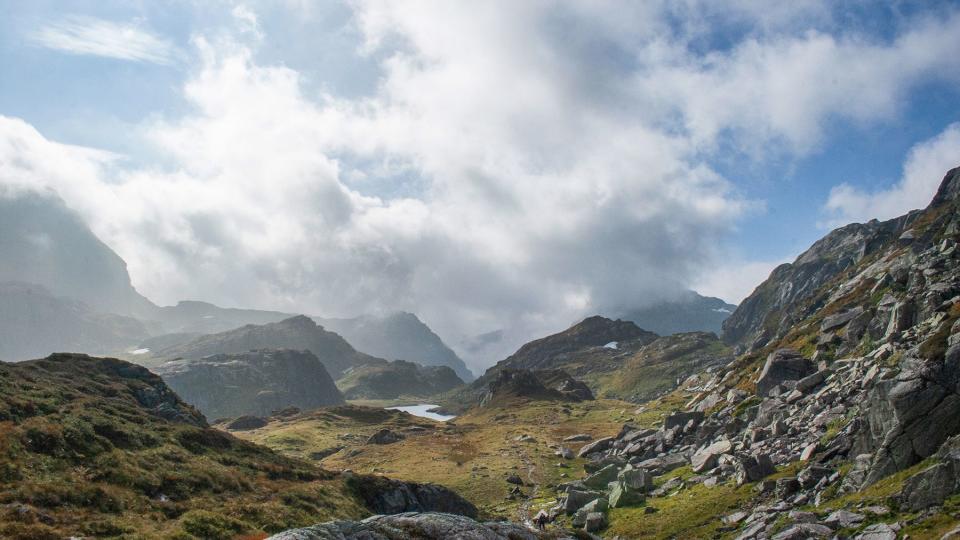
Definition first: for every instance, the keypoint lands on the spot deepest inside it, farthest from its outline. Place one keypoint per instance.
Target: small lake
(423, 410)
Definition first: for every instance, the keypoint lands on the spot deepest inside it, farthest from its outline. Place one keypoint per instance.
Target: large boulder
(680, 419)
(601, 478)
(577, 499)
(783, 365)
(410, 526)
(706, 458)
(580, 517)
(908, 417)
(638, 479)
(598, 445)
(931, 486)
(386, 496)
(622, 495)
(753, 468)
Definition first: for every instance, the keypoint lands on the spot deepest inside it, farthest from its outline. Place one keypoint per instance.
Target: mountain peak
(949, 188)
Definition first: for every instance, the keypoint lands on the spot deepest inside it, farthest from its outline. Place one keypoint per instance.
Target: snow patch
(611, 345)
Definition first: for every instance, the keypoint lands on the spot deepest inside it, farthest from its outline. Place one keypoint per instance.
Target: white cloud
(922, 174)
(562, 158)
(732, 281)
(84, 35)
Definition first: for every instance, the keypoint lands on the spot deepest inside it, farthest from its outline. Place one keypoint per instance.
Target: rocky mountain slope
(391, 380)
(298, 332)
(398, 336)
(843, 419)
(252, 383)
(691, 312)
(35, 323)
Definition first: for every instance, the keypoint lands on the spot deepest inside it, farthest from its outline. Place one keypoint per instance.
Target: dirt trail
(523, 511)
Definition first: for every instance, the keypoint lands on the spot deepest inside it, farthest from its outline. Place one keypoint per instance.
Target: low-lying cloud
(545, 163)
(922, 174)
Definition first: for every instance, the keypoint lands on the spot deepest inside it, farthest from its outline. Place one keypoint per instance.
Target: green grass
(693, 512)
(80, 446)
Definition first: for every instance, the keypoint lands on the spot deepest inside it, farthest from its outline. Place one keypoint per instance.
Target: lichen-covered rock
(385, 436)
(622, 495)
(411, 526)
(386, 496)
(783, 365)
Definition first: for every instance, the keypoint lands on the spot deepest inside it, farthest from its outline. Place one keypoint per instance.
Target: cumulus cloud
(560, 159)
(76, 34)
(922, 173)
(734, 280)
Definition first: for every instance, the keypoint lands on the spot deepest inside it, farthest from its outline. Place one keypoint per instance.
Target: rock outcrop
(411, 526)
(252, 383)
(386, 496)
(783, 366)
(540, 385)
(390, 380)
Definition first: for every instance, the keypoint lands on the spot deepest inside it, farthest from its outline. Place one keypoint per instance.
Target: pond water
(423, 410)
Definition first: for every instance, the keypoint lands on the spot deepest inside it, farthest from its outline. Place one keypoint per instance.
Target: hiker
(541, 520)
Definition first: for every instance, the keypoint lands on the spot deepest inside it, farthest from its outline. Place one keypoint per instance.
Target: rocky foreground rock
(412, 526)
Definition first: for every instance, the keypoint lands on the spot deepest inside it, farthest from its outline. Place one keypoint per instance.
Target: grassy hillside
(100, 447)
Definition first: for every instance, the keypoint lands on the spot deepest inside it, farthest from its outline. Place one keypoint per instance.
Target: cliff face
(252, 383)
(298, 332)
(789, 295)
(45, 243)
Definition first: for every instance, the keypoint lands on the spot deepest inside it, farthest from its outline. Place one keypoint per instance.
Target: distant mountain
(252, 383)
(191, 316)
(299, 332)
(35, 323)
(614, 358)
(391, 380)
(552, 351)
(691, 312)
(398, 336)
(45, 243)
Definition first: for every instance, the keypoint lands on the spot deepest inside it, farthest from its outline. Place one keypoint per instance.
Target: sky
(491, 166)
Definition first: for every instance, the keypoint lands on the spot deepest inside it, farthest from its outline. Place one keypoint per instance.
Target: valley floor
(476, 453)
